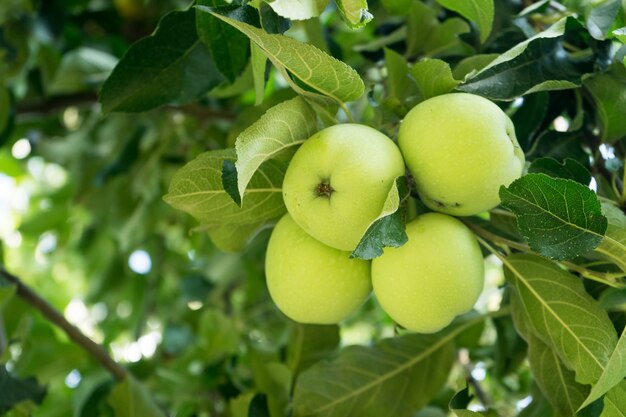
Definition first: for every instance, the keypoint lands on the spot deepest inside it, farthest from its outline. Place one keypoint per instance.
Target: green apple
(338, 180)
(437, 275)
(460, 149)
(311, 282)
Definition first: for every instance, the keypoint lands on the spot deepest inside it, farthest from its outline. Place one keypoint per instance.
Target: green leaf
(229, 48)
(459, 402)
(608, 92)
(555, 380)
(538, 64)
(298, 10)
(282, 128)
(570, 169)
(129, 398)
(6, 293)
(354, 12)
(560, 219)
(477, 11)
(197, 189)
(601, 16)
(620, 34)
(7, 114)
(258, 61)
(171, 66)
(613, 246)
(217, 336)
(374, 381)
(258, 406)
(308, 70)
(398, 81)
(309, 344)
(81, 69)
(272, 22)
(388, 230)
(14, 390)
(229, 180)
(528, 118)
(613, 374)
(615, 402)
(433, 77)
(427, 36)
(471, 65)
(553, 305)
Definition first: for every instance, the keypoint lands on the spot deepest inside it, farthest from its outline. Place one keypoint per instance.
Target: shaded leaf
(560, 219)
(553, 305)
(309, 344)
(615, 402)
(460, 401)
(197, 189)
(271, 21)
(570, 169)
(229, 180)
(130, 399)
(478, 11)
(171, 66)
(369, 381)
(81, 69)
(14, 390)
(538, 64)
(388, 230)
(282, 128)
(528, 118)
(433, 77)
(258, 406)
(309, 70)
(229, 48)
(7, 114)
(609, 96)
(556, 381)
(354, 12)
(258, 61)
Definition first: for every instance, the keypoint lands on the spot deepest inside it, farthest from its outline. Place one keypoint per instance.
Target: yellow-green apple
(460, 149)
(311, 282)
(337, 182)
(437, 275)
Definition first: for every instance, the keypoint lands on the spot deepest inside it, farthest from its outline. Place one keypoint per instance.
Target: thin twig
(50, 313)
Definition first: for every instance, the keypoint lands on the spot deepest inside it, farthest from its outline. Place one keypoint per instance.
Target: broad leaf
(394, 377)
(81, 69)
(298, 10)
(570, 169)
(560, 219)
(309, 344)
(538, 64)
(130, 399)
(613, 246)
(433, 77)
(197, 189)
(477, 11)
(553, 305)
(171, 66)
(555, 380)
(614, 373)
(229, 48)
(460, 401)
(609, 96)
(388, 230)
(354, 12)
(258, 60)
(14, 390)
(309, 70)
(283, 127)
(398, 82)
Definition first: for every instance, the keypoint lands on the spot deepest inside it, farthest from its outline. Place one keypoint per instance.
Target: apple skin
(460, 149)
(437, 275)
(311, 282)
(359, 164)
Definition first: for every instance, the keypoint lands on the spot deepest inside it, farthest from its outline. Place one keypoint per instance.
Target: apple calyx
(323, 189)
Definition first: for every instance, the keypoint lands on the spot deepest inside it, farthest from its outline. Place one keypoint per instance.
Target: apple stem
(324, 189)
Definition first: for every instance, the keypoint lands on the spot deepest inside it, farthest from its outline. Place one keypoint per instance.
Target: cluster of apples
(459, 148)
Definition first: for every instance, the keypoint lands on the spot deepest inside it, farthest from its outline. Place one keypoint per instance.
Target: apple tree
(149, 149)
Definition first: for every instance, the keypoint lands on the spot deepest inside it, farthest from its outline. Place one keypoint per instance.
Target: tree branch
(50, 313)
